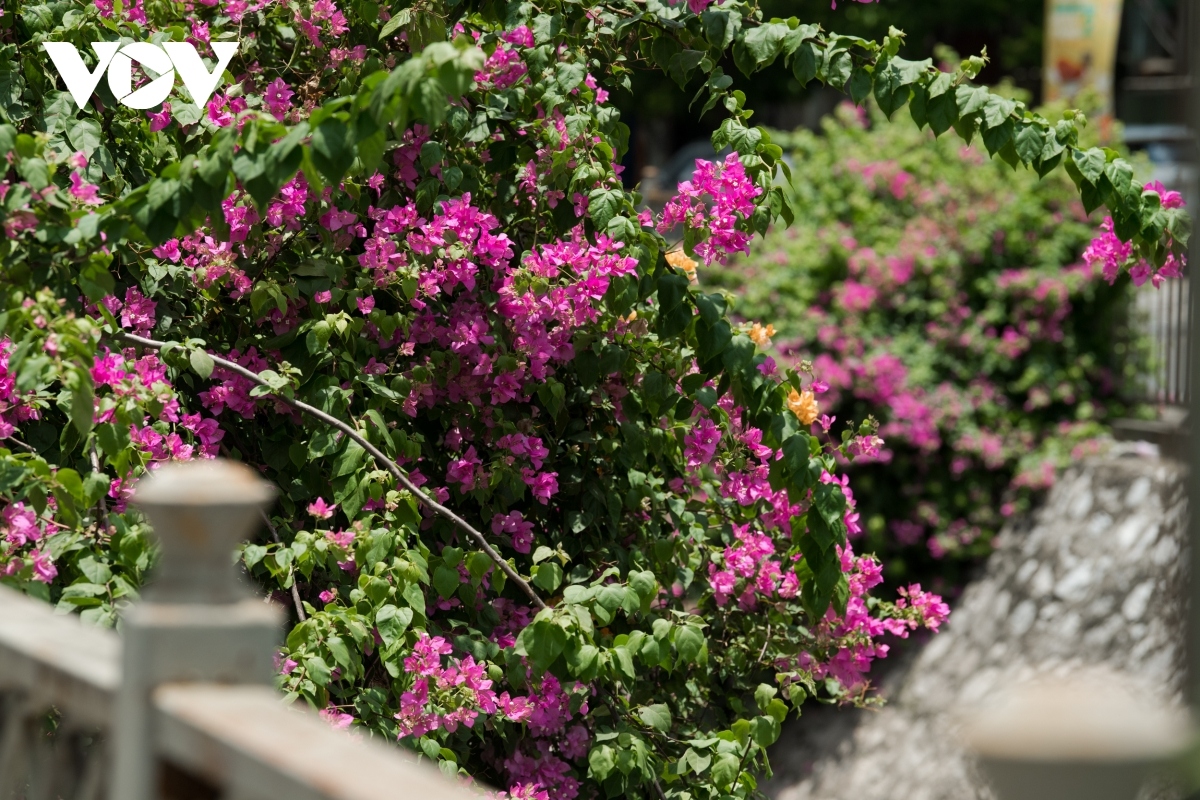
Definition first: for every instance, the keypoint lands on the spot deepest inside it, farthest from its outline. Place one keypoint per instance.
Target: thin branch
(22, 445)
(766, 642)
(376, 453)
(295, 590)
(103, 502)
(275, 535)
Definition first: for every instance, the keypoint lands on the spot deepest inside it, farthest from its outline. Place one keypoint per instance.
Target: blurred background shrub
(945, 294)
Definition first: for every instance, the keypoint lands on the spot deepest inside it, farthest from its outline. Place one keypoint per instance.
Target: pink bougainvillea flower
(336, 717)
(320, 509)
(168, 251)
(160, 120)
(513, 524)
(1108, 251)
(278, 98)
(217, 111)
(43, 566)
(86, 193)
(341, 538)
(719, 197)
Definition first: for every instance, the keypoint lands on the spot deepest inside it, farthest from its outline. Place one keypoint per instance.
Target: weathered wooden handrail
(183, 695)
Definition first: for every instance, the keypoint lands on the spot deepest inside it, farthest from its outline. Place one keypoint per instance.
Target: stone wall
(1095, 577)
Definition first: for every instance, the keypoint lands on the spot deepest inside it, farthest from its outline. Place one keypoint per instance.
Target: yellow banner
(1081, 50)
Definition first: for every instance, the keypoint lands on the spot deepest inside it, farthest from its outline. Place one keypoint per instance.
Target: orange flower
(760, 335)
(804, 406)
(679, 260)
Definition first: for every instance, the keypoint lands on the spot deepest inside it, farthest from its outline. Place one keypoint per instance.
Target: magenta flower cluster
(1111, 254)
(718, 198)
(452, 692)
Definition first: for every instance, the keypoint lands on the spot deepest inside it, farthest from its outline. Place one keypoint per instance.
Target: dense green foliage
(532, 480)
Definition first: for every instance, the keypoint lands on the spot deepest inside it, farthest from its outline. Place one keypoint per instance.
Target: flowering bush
(531, 480)
(966, 307)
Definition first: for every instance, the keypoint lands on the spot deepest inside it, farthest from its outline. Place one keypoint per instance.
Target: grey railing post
(1084, 736)
(199, 621)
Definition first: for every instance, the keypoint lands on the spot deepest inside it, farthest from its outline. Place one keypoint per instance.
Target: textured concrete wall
(1096, 577)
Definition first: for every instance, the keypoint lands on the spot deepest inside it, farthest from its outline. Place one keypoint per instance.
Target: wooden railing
(180, 706)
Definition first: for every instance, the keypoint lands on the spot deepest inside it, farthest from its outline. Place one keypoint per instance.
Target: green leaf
(721, 27)
(859, 85)
(11, 473)
(970, 99)
(95, 280)
(318, 670)
(689, 640)
(583, 661)
(995, 138)
(941, 83)
(893, 81)
(85, 135)
(1120, 175)
(331, 150)
(763, 694)
(601, 761)
(644, 584)
(341, 653)
(942, 112)
(70, 481)
(603, 205)
(36, 171)
(202, 363)
(757, 47)
(446, 580)
(657, 716)
(725, 770)
(1090, 163)
(414, 596)
(765, 731)
(544, 641)
(391, 622)
(349, 459)
(1029, 142)
(82, 402)
(624, 663)
(683, 64)
(824, 532)
(804, 63)
(997, 110)
(663, 50)
(830, 502)
(399, 19)
(840, 67)
(478, 564)
(549, 576)
(95, 486)
(252, 554)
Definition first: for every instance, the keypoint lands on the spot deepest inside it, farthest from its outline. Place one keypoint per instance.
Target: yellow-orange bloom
(762, 335)
(679, 260)
(804, 406)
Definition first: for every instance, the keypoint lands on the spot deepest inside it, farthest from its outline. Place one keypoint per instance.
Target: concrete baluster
(199, 620)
